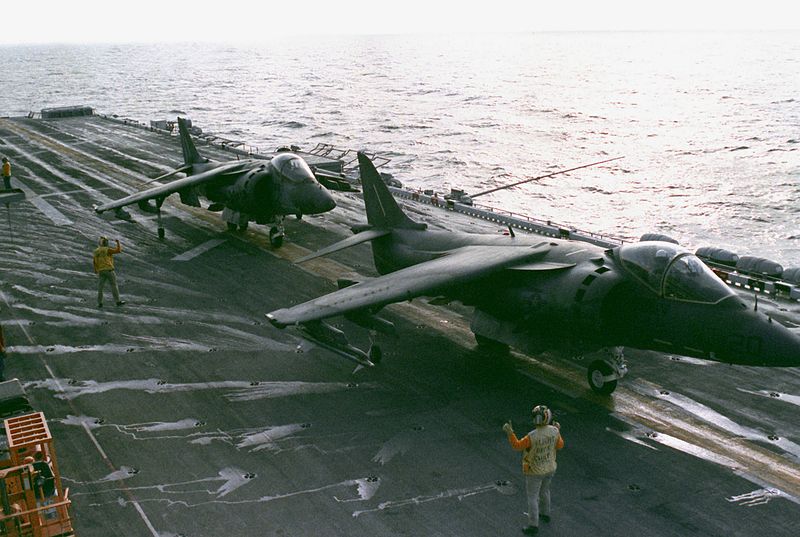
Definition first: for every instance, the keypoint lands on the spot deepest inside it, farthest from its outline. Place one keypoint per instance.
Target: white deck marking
(757, 497)
(76, 191)
(200, 249)
(56, 216)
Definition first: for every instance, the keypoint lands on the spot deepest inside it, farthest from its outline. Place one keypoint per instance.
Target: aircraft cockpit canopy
(293, 168)
(672, 272)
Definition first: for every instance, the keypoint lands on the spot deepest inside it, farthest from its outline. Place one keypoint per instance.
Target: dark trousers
(7, 182)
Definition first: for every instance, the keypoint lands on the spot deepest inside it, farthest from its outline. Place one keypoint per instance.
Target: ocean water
(708, 123)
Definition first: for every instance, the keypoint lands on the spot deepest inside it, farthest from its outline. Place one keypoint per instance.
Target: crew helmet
(541, 415)
(103, 241)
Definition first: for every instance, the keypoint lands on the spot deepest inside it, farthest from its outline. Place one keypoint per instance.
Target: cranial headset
(542, 415)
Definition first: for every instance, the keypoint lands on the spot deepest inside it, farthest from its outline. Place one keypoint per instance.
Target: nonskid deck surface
(185, 413)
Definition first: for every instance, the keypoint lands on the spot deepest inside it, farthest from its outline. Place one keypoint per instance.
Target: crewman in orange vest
(6, 174)
(538, 463)
(104, 268)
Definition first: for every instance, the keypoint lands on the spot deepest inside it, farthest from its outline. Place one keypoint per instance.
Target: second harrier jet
(536, 293)
(264, 191)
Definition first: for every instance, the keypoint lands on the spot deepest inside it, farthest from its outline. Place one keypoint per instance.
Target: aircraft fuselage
(586, 297)
(262, 192)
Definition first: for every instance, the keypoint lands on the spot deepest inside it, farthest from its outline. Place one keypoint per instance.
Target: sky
(93, 21)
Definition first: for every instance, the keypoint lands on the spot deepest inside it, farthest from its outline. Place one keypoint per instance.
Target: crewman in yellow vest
(538, 463)
(6, 174)
(104, 268)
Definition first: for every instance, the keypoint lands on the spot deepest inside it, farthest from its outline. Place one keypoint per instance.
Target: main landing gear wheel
(601, 377)
(275, 237)
(161, 233)
(231, 226)
(243, 226)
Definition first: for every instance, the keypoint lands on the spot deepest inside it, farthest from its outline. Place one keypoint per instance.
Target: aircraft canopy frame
(672, 272)
(294, 168)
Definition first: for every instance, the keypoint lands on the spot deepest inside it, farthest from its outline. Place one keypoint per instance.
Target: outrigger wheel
(375, 354)
(275, 237)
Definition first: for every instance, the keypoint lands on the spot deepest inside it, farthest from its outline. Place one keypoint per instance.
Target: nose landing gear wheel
(598, 374)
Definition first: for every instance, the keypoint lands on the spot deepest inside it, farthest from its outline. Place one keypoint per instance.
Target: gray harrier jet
(537, 294)
(261, 190)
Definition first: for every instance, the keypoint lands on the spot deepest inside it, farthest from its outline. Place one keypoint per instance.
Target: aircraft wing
(455, 267)
(163, 191)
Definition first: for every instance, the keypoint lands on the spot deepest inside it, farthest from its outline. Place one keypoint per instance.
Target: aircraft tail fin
(383, 212)
(190, 154)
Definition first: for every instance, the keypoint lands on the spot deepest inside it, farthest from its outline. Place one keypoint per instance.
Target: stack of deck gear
(33, 502)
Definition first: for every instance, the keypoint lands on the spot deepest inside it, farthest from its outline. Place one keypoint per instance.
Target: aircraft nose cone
(764, 341)
(320, 201)
(783, 348)
(327, 203)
